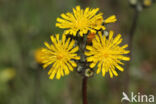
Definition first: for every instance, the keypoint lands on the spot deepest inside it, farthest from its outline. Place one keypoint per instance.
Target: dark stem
(133, 27)
(84, 90)
(130, 41)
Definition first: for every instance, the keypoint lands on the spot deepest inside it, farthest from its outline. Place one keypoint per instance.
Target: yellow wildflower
(107, 54)
(81, 21)
(60, 55)
(147, 2)
(38, 55)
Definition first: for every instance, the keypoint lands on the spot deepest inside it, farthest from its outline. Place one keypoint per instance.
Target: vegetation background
(26, 24)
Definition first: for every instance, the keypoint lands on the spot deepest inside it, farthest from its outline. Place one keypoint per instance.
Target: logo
(137, 98)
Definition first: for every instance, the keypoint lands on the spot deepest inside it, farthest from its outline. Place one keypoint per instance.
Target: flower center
(59, 56)
(81, 23)
(105, 55)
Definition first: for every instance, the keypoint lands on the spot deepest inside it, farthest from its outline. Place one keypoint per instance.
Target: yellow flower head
(38, 55)
(147, 2)
(60, 55)
(82, 21)
(107, 54)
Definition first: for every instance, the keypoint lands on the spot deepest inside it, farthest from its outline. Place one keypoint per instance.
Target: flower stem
(130, 41)
(84, 90)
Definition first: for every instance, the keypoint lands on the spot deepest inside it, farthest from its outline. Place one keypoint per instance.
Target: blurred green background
(26, 24)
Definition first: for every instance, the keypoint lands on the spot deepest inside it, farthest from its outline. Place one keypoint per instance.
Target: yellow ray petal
(110, 19)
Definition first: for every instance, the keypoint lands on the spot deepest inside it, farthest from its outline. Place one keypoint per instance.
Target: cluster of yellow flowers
(103, 53)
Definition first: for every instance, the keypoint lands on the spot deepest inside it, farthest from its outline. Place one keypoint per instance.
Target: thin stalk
(133, 27)
(84, 90)
(130, 41)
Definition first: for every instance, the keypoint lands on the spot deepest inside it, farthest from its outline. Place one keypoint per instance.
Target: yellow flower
(38, 55)
(147, 2)
(107, 54)
(81, 21)
(60, 55)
